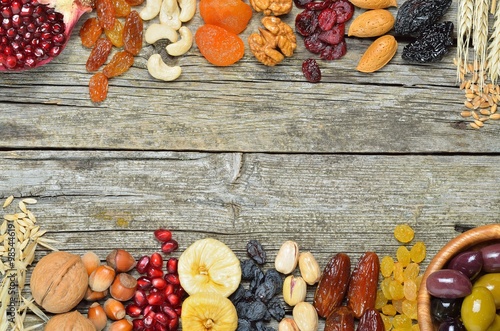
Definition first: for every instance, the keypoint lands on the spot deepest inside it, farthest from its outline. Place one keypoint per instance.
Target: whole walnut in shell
(59, 282)
(73, 321)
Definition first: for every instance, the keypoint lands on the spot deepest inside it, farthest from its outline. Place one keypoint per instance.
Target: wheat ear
(480, 38)
(465, 19)
(493, 58)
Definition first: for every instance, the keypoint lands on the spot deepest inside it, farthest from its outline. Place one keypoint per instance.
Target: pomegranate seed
(155, 299)
(161, 318)
(172, 265)
(159, 283)
(149, 309)
(172, 279)
(156, 260)
(149, 319)
(174, 299)
(144, 283)
(140, 298)
(161, 327)
(142, 264)
(133, 310)
(180, 292)
(163, 235)
(169, 246)
(174, 323)
(178, 310)
(138, 325)
(169, 311)
(169, 289)
(154, 272)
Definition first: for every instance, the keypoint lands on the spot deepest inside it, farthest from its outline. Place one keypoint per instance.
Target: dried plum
(432, 45)
(414, 16)
(256, 252)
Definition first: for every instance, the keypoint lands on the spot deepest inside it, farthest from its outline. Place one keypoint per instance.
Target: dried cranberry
(311, 70)
(301, 3)
(313, 44)
(318, 5)
(333, 36)
(327, 19)
(344, 10)
(334, 52)
(306, 22)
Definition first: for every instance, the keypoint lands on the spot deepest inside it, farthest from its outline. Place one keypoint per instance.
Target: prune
(431, 45)
(276, 309)
(306, 22)
(414, 16)
(265, 291)
(256, 252)
(469, 263)
(344, 10)
(244, 325)
(491, 258)
(333, 36)
(448, 284)
(445, 309)
(248, 269)
(334, 52)
(452, 325)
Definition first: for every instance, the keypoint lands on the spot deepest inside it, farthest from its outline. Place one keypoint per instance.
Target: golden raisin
(398, 305)
(387, 322)
(415, 327)
(132, 33)
(232, 15)
(404, 233)
(119, 64)
(219, 46)
(399, 272)
(380, 299)
(384, 286)
(410, 309)
(418, 252)
(411, 271)
(90, 31)
(403, 255)
(387, 266)
(98, 87)
(99, 54)
(122, 8)
(115, 34)
(105, 13)
(410, 289)
(401, 322)
(396, 290)
(389, 310)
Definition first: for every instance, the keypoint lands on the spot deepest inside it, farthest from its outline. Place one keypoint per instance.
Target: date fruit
(362, 289)
(341, 319)
(332, 285)
(371, 321)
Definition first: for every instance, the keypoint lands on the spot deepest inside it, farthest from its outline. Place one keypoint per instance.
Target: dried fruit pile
(127, 35)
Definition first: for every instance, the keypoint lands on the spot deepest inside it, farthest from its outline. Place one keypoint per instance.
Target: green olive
(495, 326)
(492, 283)
(478, 309)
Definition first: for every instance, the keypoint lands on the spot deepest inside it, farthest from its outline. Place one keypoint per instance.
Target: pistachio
(305, 316)
(294, 290)
(287, 257)
(309, 268)
(288, 324)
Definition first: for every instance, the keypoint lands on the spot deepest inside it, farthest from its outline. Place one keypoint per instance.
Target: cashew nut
(151, 10)
(183, 45)
(159, 31)
(188, 8)
(160, 70)
(169, 14)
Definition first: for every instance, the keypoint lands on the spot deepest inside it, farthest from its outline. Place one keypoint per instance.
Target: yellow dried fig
(374, 4)
(73, 321)
(372, 23)
(378, 54)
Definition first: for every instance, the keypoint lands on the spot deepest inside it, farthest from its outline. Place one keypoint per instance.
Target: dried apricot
(122, 8)
(218, 45)
(115, 35)
(105, 13)
(99, 54)
(98, 87)
(132, 33)
(232, 15)
(119, 64)
(90, 31)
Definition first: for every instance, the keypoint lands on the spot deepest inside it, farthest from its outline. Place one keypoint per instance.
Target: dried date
(362, 289)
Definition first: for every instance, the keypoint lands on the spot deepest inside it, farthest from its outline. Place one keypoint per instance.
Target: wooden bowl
(475, 237)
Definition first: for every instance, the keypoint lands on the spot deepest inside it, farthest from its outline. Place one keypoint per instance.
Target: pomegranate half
(34, 32)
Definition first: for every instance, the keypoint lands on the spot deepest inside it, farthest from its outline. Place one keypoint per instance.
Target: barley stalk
(493, 57)
(465, 19)
(480, 37)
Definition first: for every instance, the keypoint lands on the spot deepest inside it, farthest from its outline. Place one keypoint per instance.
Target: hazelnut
(120, 260)
(114, 309)
(121, 325)
(69, 321)
(101, 278)
(97, 316)
(95, 296)
(123, 287)
(90, 261)
(59, 282)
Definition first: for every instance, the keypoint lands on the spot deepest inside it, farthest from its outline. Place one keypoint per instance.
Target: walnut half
(274, 42)
(272, 7)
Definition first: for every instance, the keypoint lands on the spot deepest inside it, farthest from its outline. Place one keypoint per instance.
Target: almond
(378, 54)
(372, 23)
(374, 4)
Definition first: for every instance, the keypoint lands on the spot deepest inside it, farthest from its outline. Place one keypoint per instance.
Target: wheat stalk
(493, 57)
(465, 19)
(480, 37)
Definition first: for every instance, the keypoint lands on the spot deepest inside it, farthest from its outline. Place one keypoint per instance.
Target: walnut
(69, 321)
(272, 7)
(273, 43)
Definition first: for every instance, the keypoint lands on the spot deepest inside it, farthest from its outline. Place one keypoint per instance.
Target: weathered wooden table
(248, 152)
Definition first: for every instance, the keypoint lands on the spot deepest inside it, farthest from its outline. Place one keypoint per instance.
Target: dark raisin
(255, 311)
(265, 291)
(276, 308)
(274, 276)
(259, 326)
(244, 325)
(257, 279)
(248, 269)
(415, 15)
(237, 295)
(306, 22)
(432, 45)
(311, 70)
(241, 308)
(344, 10)
(256, 252)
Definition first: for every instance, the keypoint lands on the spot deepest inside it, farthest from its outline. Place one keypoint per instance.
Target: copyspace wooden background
(248, 152)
